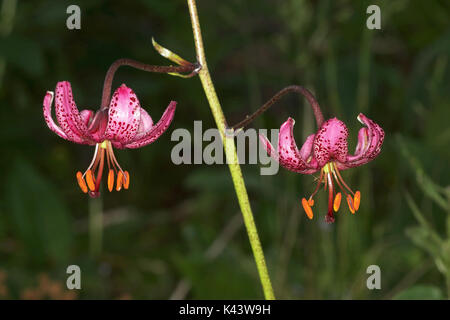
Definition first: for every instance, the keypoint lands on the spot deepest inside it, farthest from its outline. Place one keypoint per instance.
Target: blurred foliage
(426, 235)
(420, 293)
(177, 231)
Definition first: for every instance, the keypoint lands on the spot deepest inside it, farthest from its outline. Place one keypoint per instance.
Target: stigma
(331, 178)
(89, 181)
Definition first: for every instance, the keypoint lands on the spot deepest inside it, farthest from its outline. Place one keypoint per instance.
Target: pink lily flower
(327, 151)
(123, 125)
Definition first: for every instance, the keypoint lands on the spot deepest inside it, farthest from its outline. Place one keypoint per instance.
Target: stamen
(126, 182)
(110, 180)
(307, 208)
(341, 179)
(357, 200)
(337, 202)
(119, 181)
(90, 180)
(113, 157)
(108, 161)
(81, 182)
(94, 159)
(339, 184)
(350, 204)
(320, 180)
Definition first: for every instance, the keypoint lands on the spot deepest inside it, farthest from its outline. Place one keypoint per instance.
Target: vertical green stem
(231, 155)
(95, 226)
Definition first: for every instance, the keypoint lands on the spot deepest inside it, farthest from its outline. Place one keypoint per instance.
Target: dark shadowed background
(177, 232)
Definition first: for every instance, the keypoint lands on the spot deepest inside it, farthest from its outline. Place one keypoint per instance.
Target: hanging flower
(327, 151)
(123, 125)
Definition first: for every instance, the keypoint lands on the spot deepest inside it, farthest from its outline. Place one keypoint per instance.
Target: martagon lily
(123, 125)
(327, 151)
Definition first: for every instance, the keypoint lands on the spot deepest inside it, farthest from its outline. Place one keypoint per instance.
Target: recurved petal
(374, 147)
(67, 114)
(47, 109)
(86, 116)
(155, 131)
(145, 124)
(288, 154)
(124, 116)
(97, 125)
(268, 146)
(330, 142)
(362, 141)
(370, 140)
(307, 148)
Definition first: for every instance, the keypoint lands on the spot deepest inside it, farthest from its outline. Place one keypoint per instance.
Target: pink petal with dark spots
(48, 100)
(155, 131)
(362, 141)
(86, 116)
(330, 142)
(288, 154)
(370, 140)
(67, 114)
(306, 150)
(268, 147)
(145, 124)
(97, 125)
(124, 116)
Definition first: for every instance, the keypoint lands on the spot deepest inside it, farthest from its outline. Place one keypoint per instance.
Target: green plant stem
(95, 226)
(231, 155)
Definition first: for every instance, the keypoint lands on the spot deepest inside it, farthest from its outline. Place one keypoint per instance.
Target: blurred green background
(177, 232)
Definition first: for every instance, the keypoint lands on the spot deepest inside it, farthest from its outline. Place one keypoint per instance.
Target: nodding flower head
(123, 125)
(327, 151)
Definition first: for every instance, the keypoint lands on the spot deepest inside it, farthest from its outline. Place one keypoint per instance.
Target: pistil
(330, 217)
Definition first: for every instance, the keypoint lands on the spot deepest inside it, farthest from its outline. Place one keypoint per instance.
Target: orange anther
(307, 208)
(126, 181)
(90, 180)
(81, 182)
(350, 204)
(119, 181)
(357, 200)
(311, 202)
(337, 202)
(110, 180)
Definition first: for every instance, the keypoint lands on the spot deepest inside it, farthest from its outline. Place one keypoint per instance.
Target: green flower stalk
(231, 155)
